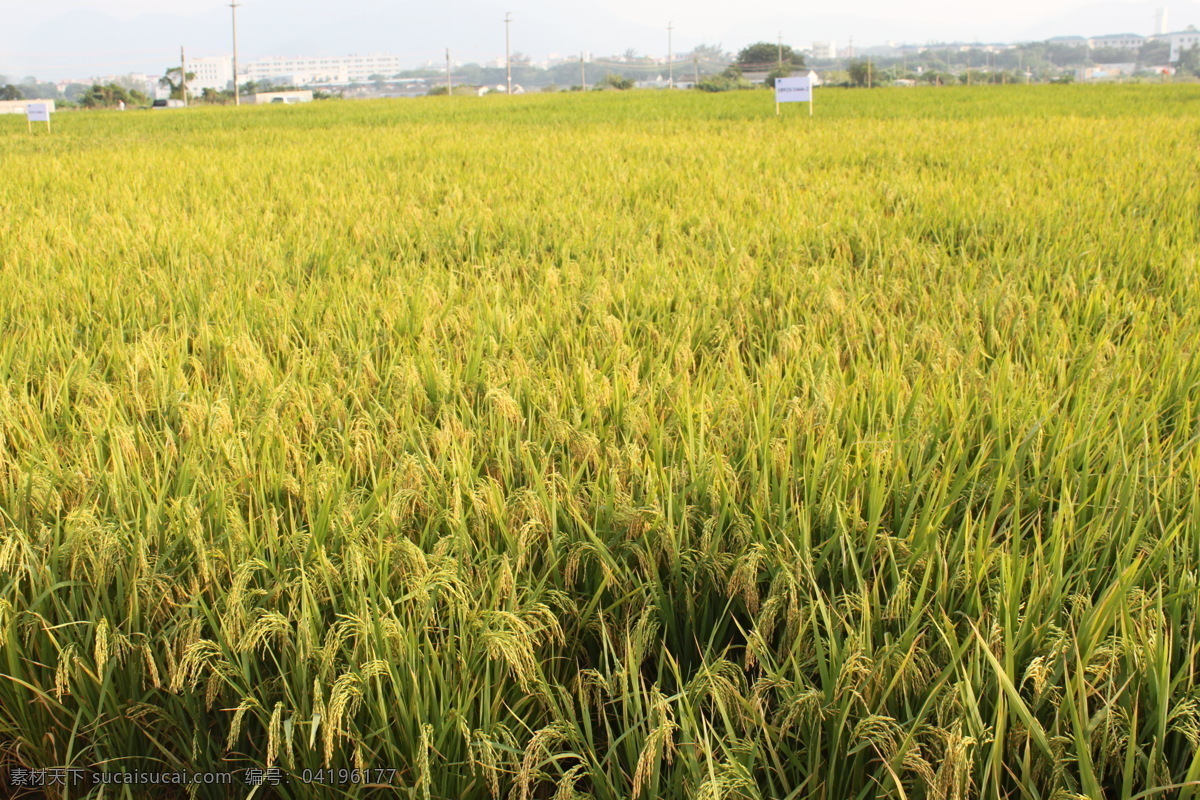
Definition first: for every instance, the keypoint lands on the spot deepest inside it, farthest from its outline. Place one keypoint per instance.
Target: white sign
(793, 90)
(37, 112)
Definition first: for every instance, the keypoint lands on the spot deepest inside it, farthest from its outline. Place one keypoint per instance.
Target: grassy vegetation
(628, 446)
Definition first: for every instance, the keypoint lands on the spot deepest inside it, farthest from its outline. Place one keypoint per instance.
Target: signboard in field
(37, 112)
(793, 90)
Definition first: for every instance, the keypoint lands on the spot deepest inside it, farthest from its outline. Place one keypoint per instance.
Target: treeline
(109, 95)
(96, 95)
(1036, 61)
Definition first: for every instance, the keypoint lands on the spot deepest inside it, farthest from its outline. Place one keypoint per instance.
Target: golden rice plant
(608, 446)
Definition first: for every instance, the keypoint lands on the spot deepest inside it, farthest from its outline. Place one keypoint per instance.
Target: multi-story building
(1183, 41)
(211, 72)
(1117, 41)
(1068, 41)
(825, 50)
(301, 71)
(143, 83)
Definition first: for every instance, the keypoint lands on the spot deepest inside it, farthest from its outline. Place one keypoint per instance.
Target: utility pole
(507, 52)
(779, 66)
(582, 73)
(695, 70)
(183, 74)
(237, 92)
(670, 56)
(868, 72)
(449, 80)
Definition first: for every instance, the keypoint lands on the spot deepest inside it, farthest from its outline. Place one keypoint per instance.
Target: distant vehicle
(169, 104)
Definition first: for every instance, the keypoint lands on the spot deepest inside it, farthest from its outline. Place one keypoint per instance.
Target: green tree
(777, 73)
(709, 52)
(171, 80)
(727, 81)
(10, 92)
(1113, 55)
(1189, 60)
(215, 96)
(614, 81)
(1067, 55)
(765, 55)
(859, 72)
(32, 89)
(109, 95)
(1155, 52)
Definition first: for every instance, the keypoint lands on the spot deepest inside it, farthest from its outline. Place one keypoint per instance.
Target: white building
(500, 88)
(301, 71)
(824, 50)
(143, 83)
(213, 72)
(1069, 41)
(1181, 42)
(1117, 41)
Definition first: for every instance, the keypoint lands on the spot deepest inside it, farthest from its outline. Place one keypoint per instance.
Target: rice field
(606, 446)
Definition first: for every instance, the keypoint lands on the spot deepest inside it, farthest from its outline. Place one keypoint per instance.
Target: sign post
(794, 90)
(37, 112)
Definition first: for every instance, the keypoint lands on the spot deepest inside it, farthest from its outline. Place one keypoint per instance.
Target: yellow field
(622, 445)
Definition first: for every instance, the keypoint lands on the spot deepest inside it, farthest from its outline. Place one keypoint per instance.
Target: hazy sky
(79, 38)
(699, 11)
